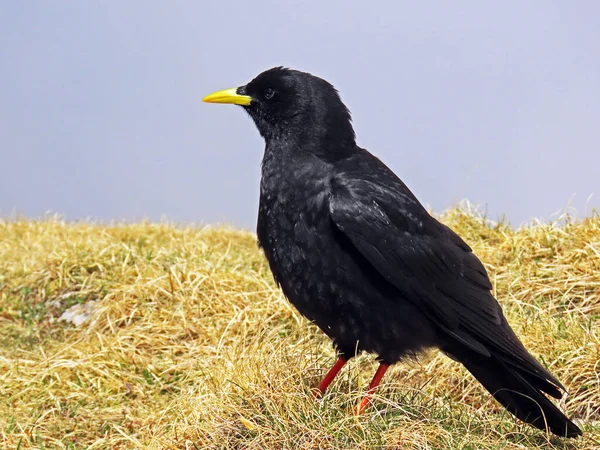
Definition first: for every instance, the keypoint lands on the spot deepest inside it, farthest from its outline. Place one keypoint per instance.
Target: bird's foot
(316, 392)
(358, 409)
(383, 367)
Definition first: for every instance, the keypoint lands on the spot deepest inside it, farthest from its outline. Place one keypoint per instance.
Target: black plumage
(356, 253)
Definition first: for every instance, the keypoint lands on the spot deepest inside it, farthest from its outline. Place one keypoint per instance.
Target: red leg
(330, 376)
(372, 387)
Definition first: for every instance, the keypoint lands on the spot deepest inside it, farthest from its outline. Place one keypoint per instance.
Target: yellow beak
(228, 96)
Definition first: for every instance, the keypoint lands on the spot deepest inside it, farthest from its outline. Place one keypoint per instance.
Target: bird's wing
(430, 266)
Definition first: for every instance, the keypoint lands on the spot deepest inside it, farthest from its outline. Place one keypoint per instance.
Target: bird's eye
(269, 93)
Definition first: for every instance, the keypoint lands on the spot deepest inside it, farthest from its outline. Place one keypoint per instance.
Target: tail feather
(539, 379)
(520, 394)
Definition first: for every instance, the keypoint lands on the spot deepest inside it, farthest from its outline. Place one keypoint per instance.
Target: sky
(101, 115)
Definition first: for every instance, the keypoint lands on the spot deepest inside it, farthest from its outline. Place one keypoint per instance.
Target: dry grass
(192, 346)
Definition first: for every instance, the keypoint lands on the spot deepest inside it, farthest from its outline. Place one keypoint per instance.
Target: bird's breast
(305, 255)
(294, 229)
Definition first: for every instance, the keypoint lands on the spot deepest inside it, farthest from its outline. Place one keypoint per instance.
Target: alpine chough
(356, 253)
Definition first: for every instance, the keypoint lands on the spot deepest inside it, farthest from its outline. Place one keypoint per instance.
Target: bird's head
(292, 105)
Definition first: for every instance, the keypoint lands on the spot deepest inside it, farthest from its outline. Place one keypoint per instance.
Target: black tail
(519, 392)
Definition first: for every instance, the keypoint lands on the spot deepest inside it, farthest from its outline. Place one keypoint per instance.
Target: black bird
(356, 253)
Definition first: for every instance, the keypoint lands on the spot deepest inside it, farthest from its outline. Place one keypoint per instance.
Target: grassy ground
(192, 346)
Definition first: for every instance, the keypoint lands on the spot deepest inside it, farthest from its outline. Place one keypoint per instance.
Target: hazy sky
(101, 113)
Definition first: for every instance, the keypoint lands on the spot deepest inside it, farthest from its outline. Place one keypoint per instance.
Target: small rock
(78, 314)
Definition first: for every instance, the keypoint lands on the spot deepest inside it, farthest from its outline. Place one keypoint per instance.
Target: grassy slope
(193, 346)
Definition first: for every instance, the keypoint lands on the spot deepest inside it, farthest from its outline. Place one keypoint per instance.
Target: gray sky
(101, 113)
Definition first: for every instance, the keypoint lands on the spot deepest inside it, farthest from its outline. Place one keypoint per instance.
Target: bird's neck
(287, 164)
(331, 137)
(321, 143)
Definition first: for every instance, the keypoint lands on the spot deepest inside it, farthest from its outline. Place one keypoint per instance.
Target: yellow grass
(191, 345)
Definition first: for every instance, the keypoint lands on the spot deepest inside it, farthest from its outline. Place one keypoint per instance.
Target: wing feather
(432, 267)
